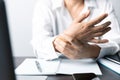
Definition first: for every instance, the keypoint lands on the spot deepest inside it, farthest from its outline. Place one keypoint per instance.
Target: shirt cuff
(109, 48)
(48, 51)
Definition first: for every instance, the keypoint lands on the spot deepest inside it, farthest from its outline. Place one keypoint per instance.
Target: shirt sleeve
(113, 35)
(42, 33)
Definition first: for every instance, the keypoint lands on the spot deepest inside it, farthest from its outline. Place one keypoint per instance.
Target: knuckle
(65, 45)
(55, 42)
(57, 39)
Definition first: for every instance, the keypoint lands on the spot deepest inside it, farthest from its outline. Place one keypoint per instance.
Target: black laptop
(6, 62)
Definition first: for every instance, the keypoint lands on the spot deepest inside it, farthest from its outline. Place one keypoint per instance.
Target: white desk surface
(31, 77)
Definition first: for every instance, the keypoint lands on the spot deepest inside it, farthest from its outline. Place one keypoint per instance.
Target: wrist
(67, 37)
(96, 51)
(58, 39)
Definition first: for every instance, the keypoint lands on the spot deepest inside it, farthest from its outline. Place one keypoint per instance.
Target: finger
(65, 44)
(99, 41)
(61, 42)
(58, 46)
(65, 37)
(101, 27)
(97, 20)
(102, 32)
(67, 51)
(82, 17)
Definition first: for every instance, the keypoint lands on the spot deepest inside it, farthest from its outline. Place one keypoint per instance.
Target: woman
(70, 28)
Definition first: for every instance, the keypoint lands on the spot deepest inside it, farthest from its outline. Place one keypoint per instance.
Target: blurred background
(20, 13)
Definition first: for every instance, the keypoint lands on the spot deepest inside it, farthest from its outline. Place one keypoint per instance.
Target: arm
(42, 37)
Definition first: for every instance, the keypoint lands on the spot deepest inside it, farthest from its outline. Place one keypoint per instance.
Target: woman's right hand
(86, 31)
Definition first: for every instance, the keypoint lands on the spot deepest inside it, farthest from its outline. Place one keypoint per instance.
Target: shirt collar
(91, 3)
(60, 3)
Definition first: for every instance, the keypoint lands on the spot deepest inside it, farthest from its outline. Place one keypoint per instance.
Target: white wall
(20, 22)
(20, 19)
(116, 6)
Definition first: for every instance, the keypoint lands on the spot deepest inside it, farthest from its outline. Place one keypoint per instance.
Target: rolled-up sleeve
(42, 37)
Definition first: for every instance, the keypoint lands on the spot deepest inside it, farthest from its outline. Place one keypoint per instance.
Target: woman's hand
(76, 49)
(73, 43)
(86, 31)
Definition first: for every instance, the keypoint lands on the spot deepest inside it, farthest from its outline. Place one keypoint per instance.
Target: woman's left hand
(76, 49)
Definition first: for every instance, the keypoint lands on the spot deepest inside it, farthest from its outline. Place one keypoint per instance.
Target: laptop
(6, 60)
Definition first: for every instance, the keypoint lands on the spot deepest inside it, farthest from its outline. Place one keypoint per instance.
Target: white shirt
(51, 18)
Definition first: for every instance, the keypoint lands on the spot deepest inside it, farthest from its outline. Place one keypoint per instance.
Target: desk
(107, 74)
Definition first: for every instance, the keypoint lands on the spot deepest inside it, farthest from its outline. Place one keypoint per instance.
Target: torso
(76, 10)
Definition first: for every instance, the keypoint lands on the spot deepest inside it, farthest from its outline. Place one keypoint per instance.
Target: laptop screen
(6, 62)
